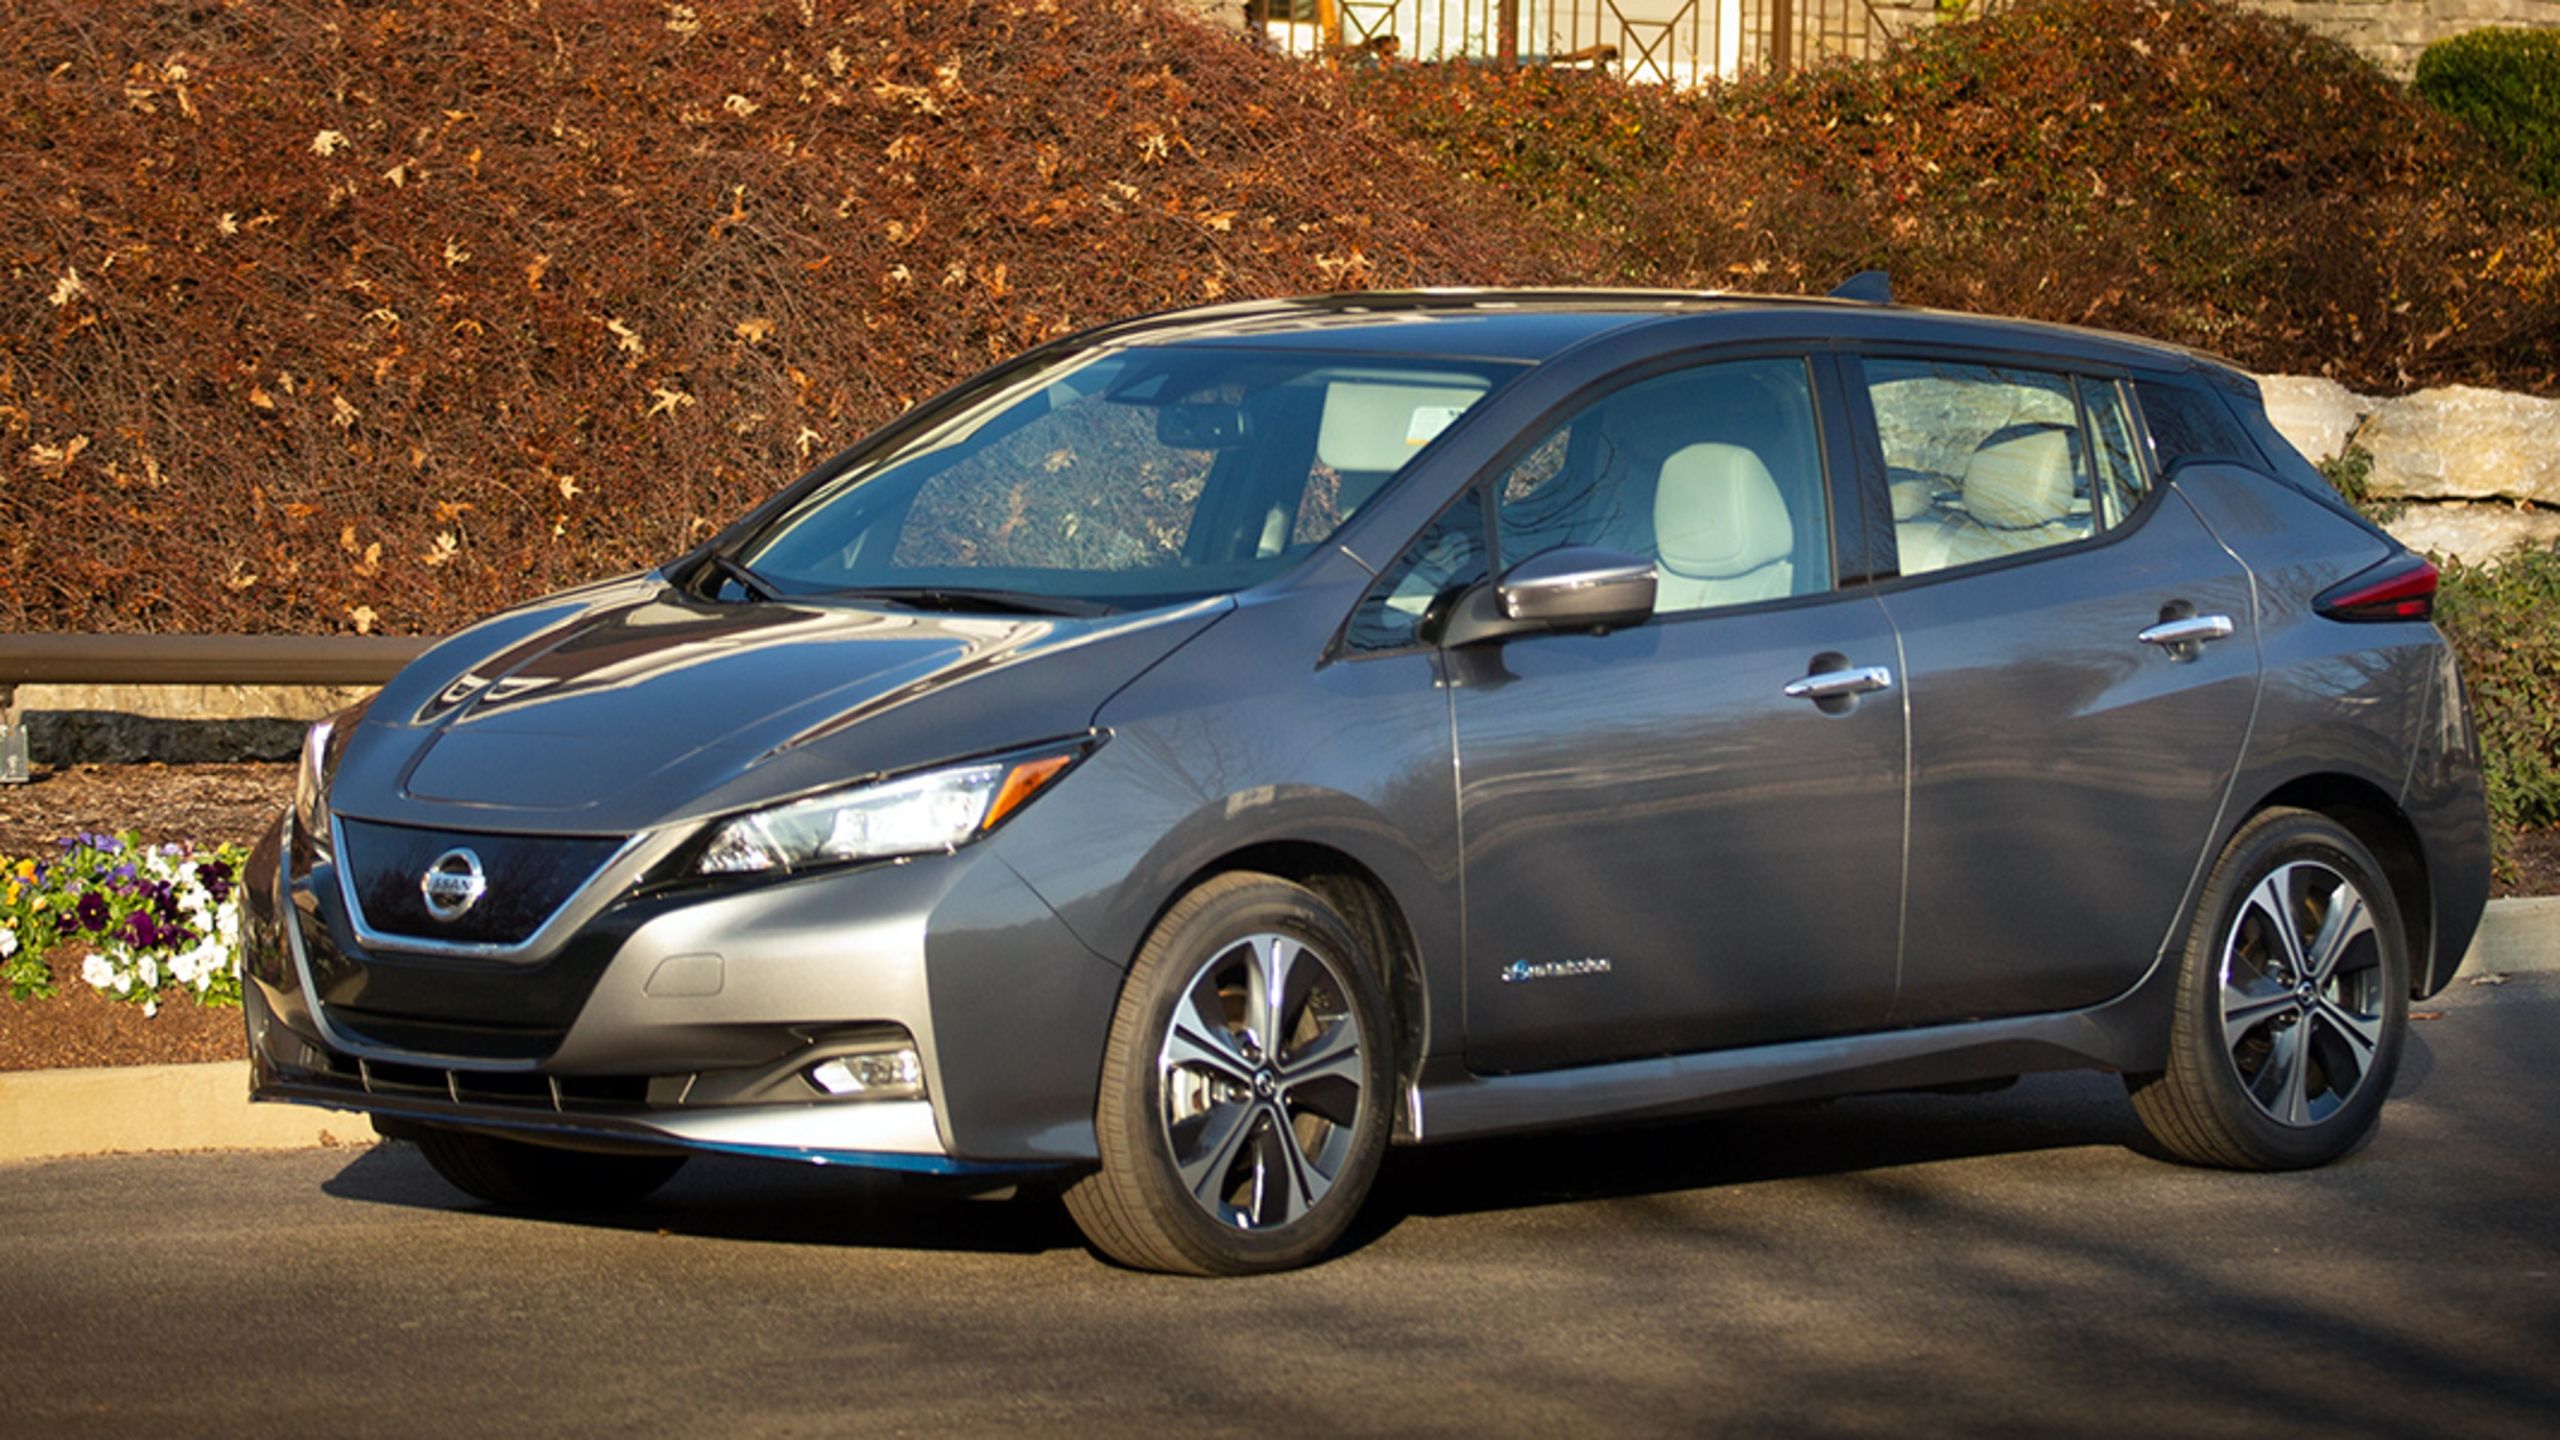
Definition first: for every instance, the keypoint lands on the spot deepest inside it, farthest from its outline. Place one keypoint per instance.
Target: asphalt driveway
(1911, 1264)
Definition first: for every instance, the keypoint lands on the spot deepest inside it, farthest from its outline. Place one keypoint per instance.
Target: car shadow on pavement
(718, 1197)
(1742, 1147)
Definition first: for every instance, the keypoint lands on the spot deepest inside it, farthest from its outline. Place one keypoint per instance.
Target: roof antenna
(1873, 287)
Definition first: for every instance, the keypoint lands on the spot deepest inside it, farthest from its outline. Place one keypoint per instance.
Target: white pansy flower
(8, 942)
(97, 971)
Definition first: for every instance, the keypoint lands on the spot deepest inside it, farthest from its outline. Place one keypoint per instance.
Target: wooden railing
(185, 660)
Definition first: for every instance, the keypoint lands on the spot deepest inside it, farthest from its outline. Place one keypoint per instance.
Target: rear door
(2081, 666)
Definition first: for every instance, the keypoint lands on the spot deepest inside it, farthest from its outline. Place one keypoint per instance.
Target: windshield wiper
(975, 598)
(756, 586)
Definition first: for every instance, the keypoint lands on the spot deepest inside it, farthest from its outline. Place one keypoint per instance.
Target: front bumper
(691, 1021)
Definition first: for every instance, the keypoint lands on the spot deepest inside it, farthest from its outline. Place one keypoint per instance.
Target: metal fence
(1667, 42)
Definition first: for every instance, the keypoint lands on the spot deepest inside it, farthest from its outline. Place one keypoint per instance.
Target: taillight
(2401, 588)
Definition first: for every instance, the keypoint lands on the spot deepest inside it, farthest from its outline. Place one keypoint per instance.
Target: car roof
(1537, 325)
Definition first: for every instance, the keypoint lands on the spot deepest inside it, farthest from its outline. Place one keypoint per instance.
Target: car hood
(633, 705)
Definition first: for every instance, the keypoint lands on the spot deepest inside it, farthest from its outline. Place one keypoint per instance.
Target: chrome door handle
(1832, 684)
(2193, 630)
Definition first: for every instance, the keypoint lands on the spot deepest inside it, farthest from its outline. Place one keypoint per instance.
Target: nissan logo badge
(453, 884)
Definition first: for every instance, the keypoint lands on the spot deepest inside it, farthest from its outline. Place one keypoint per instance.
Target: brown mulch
(198, 804)
(80, 1026)
(2532, 865)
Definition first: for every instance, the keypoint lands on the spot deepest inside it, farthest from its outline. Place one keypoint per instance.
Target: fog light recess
(894, 1074)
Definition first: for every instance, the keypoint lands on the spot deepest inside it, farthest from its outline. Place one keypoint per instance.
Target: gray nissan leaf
(1181, 762)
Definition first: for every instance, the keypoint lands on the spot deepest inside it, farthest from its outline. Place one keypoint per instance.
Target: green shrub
(2500, 622)
(2505, 84)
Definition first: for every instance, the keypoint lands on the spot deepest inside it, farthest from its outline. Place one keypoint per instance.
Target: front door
(1664, 850)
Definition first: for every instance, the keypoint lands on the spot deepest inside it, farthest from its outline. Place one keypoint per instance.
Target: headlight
(938, 810)
(322, 744)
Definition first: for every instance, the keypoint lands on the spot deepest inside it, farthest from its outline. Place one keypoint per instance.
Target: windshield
(1120, 478)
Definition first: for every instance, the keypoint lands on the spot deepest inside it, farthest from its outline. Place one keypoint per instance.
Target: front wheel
(542, 1177)
(1243, 1109)
(2293, 996)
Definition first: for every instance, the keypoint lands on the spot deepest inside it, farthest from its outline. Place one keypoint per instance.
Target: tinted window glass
(1983, 462)
(1714, 474)
(2120, 480)
(1126, 476)
(1448, 558)
(2189, 423)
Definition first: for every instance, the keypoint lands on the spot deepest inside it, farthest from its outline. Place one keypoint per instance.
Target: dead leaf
(2495, 978)
(328, 142)
(364, 617)
(625, 338)
(69, 288)
(754, 329)
(342, 412)
(664, 402)
(445, 549)
(58, 457)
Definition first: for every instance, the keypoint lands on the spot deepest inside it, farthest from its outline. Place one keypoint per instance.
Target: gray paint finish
(1969, 874)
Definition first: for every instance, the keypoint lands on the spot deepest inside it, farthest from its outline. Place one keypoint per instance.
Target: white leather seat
(2018, 492)
(1722, 533)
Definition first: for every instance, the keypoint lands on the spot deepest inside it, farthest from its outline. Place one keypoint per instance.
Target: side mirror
(1572, 587)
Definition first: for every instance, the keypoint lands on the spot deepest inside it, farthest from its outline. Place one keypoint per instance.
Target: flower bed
(146, 923)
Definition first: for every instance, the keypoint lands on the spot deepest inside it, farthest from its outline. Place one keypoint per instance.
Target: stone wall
(2478, 471)
(2393, 32)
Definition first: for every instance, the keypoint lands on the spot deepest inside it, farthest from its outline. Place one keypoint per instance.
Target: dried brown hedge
(323, 316)
(2184, 169)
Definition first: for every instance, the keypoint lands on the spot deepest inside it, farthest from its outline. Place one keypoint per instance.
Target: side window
(1449, 557)
(1714, 474)
(2121, 485)
(2187, 423)
(1984, 462)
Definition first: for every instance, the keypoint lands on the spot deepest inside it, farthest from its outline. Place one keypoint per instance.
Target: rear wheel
(1243, 1109)
(536, 1177)
(2293, 998)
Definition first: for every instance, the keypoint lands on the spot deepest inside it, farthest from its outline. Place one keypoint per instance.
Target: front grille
(528, 877)
(478, 1041)
(518, 1090)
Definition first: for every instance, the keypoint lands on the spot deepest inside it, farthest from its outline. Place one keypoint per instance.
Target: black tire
(2274, 1064)
(1277, 1115)
(542, 1177)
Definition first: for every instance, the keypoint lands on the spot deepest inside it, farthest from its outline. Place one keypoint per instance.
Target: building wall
(2393, 32)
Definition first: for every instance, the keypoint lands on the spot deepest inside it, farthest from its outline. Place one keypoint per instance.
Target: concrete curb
(47, 1114)
(52, 1114)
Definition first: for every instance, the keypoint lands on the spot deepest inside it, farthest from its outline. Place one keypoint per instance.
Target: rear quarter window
(2191, 423)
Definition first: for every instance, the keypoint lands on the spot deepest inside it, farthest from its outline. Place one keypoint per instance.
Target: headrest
(2020, 478)
(1717, 514)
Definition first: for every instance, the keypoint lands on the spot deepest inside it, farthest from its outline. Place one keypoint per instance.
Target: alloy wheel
(2303, 998)
(1260, 1073)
